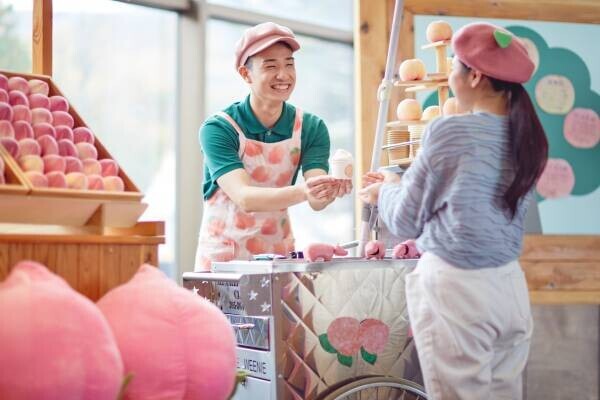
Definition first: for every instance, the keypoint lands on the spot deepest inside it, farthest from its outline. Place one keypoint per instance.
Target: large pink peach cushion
(54, 342)
(176, 344)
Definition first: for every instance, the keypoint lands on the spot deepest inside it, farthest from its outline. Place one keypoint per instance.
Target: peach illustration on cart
(346, 336)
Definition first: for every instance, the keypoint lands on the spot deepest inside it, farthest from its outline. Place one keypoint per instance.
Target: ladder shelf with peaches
(403, 136)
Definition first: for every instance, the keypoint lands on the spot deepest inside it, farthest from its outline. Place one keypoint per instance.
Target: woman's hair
(528, 142)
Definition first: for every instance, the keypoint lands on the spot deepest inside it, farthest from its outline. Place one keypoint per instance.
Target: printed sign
(557, 180)
(555, 94)
(582, 128)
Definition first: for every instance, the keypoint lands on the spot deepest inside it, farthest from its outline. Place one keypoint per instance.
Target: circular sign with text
(557, 180)
(582, 128)
(532, 51)
(555, 94)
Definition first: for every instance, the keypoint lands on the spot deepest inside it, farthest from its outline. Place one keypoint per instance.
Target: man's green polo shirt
(220, 142)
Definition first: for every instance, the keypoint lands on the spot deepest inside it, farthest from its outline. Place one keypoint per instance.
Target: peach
(57, 179)
(430, 113)
(62, 118)
(31, 163)
(450, 106)
(375, 249)
(11, 145)
(48, 145)
(16, 98)
(22, 113)
(95, 182)
(320, 251)
(6, 129)
(86, 150)
(409, 109)
(412, 70)
(91, 167)
(39, 115)
(109, 167)
(6, 112)
(438, 30)
(66, 148)
(38, 100)
(42, 129)
(29, 147)
(37, 179)
(37, 86)
(113, 183)
(83, 134)
(54, 163)
(23, 130)
(19, 84)
(3, 96)
(63, 132)
(58, 103)
(3, 82)
(77, 180)
(73, 164)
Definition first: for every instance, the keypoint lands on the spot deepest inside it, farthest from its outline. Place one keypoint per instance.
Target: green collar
(282, 127)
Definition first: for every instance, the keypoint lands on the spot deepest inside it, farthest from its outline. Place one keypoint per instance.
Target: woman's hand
(371, 177)
(370, 194)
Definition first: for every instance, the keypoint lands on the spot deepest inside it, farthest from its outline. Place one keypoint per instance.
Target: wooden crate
(67, 206)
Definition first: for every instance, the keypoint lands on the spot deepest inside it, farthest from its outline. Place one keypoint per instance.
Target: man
(253, 152)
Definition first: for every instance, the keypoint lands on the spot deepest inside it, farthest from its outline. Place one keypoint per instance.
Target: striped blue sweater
(451, 196)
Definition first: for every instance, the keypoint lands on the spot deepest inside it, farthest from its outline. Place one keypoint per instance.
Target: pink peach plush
(10, 145)
(91, 167)
(73, 164)
(77, 180)
(56, 179)
(23, 130)
(109, 167)
(53, 163)
(22, 113)
(375, 249)
(409, 109)
(29, 147)
(62, 118)
(406, 249)
(41, 115)
(412, 70)
(160, 343)
(86, 150)
(37, 179)
(83, 134)
(6, 112)
(438, 30)
(31, 163)
(58, 103)
(38, 100)
(323, 252)
(3, 82)
(3, 96)
(113, 183)
(43, 128)
(37, 86)
(54, 342)
(95, 182)
(66, 148)
(63, 132)
(16, 98)
(48, 145)
(6, 129)
(19, 84)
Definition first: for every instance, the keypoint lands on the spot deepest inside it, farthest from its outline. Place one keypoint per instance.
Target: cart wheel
(378, 388)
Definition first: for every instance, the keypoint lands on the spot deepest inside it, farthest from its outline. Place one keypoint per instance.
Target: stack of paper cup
(416, 134)
(342, 164)
(398, 153)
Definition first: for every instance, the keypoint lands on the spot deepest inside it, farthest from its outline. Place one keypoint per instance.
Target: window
(322, 88)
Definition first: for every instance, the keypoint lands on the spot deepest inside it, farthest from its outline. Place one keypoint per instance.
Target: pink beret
(259, 37)
(493, 51)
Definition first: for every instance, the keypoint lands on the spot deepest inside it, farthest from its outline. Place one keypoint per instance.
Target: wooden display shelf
(15, 185)
(422, 88)
(430, 82)
(440, 43)
(67, 206)
(404, 123)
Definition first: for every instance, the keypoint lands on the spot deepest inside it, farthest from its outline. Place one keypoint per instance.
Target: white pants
(472, 329)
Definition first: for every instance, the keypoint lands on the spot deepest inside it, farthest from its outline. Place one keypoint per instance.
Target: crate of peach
(52, 152)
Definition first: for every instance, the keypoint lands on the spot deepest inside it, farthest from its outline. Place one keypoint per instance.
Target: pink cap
(493, 51)
(259, 37)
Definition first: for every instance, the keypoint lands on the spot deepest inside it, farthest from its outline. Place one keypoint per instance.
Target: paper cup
(342, 169)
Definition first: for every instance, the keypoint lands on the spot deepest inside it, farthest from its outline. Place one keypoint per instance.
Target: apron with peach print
(228, 233)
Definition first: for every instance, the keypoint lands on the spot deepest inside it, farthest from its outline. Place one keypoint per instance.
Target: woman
(464, 198)
(253, 151)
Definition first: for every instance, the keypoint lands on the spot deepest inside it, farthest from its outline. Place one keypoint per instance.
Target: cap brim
(261, 45)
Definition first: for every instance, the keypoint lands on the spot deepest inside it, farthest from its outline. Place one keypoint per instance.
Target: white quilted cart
(323, 330)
